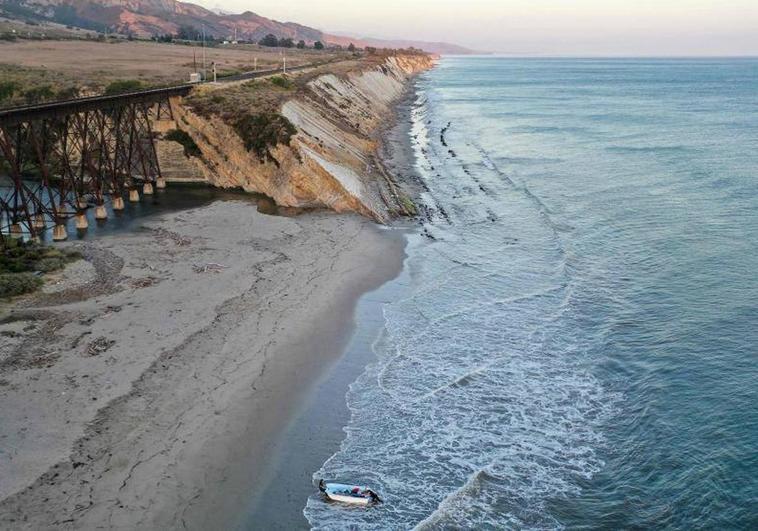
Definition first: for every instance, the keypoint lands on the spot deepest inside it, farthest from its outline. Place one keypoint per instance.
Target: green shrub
(408, 205)
(7, 89)
(12, 284)
(122, 86)
(68, 93)
(190, 147)
(282, 82)
(228, 73)
(262, 132)
(39, 94)
(50, 263)
(23, 257)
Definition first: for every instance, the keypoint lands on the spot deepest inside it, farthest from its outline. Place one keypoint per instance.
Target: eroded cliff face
(331, 160)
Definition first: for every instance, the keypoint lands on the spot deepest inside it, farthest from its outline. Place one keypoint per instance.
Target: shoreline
(170, 425)
(316, 432)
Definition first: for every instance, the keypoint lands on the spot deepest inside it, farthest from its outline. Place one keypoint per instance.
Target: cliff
(325, 156)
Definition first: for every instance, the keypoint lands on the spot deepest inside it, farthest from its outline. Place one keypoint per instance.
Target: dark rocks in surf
(442, 134)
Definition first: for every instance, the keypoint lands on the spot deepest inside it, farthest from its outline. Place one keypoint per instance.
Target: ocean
(574, 339)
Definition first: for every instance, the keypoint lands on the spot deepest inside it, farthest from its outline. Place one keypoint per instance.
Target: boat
(352, 494)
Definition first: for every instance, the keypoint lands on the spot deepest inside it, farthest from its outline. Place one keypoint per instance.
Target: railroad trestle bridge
(62, 158)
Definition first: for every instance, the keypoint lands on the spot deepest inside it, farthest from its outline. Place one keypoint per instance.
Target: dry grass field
(66, 66)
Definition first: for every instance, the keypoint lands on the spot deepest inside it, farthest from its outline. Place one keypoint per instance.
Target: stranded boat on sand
(351, 494)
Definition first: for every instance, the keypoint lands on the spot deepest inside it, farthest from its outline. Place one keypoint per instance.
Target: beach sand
(149, 387)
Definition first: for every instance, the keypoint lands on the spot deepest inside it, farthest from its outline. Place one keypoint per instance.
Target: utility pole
(255, 64)
(284, 62)
(205, 70)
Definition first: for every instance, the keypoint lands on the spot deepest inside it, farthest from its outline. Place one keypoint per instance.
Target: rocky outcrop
(331, 160)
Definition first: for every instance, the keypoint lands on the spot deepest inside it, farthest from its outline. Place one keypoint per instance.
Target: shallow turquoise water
(576, 344)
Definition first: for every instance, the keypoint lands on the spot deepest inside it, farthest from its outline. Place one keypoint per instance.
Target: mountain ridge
(149, 18)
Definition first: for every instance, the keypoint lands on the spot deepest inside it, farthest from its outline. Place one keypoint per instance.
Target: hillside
(148, 18)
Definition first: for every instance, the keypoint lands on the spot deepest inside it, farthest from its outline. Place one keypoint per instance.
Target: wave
(478, 409)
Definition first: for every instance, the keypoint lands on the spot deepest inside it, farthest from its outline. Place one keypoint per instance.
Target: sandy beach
(146, 386)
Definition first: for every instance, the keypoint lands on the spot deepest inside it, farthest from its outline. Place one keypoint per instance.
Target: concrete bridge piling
(57, 160)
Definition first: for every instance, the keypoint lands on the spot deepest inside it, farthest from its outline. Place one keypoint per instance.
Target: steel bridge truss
(59, 160)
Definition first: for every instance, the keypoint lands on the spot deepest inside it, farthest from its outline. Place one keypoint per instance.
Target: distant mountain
(147, 18)
(219, 10)
(441, 48)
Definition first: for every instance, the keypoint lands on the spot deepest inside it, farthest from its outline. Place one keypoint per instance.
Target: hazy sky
(568, 27)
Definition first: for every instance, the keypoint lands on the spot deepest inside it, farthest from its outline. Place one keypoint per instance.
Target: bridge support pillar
(118, 203)
(59, 233)
(16, 230)
(80, 152)
(39, 221)
(81, 221)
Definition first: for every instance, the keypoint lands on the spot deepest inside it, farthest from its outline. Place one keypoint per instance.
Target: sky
(534, 27)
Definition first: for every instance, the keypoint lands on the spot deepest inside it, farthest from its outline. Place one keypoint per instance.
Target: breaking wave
(479, 408)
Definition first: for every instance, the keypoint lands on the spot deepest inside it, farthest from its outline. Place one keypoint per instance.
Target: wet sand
(150, 386)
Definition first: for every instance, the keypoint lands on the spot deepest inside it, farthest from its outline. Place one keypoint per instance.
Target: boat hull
(353, 500)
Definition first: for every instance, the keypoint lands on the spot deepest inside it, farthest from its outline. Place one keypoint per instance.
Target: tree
(187, 33)
(301, 44)
(318, 45)
(269, 40)
(286, 43)
(351, 48)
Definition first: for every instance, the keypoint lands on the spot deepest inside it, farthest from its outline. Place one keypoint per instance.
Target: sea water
(574, 340)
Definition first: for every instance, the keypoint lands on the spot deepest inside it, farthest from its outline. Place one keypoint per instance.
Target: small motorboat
(352, 494)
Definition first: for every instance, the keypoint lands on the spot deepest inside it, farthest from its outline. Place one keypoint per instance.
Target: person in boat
(355, 491)
(363, 493)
